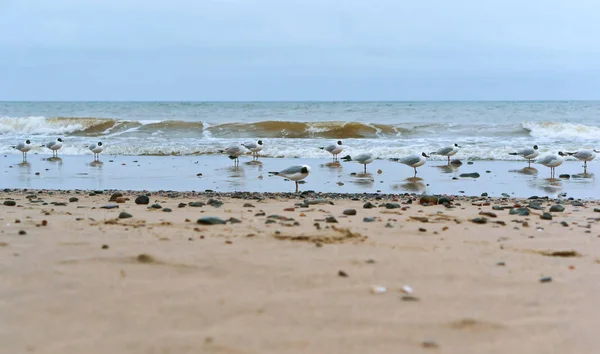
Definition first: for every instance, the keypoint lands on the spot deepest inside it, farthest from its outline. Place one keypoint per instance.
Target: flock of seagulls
(299, 172)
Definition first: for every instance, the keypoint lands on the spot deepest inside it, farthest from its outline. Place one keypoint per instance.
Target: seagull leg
(415, 171)
(296, 186)
(365, 169)
(448, 160)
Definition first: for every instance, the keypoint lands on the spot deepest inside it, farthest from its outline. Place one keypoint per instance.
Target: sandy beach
(308, 273)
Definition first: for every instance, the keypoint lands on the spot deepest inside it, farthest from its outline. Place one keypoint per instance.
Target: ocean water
(484, 130)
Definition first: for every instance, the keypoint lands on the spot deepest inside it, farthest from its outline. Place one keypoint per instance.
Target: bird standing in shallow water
(363, 159)
(234, 152)
(552, 161)
(413, 161)
(334, 149)
(447, 151)
(584, 155)
(96, 149)
(294, 173)
(54, 146)
(254, 147)
(24, 148)
(527, 153)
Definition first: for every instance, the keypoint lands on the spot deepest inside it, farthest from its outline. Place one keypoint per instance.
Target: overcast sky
(299, 50)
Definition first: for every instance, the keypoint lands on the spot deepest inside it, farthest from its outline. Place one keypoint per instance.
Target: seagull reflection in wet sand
(362, 179)
(96, 163)
(412, 184)
(336, 165)
(531, 171)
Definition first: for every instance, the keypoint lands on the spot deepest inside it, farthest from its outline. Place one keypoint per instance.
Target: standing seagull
(254, 147)
(54, 146)
(584, 155)
(413, 161)
(447, 151)
(334, 149)
(363, 159)
(294, 173)
(552, 161)
(24, 148)
(234, 152)
(528, 153)
(96, 149)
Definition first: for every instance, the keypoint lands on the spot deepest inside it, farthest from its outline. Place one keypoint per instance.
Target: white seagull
(96, 149)
(334, 149)
(363, 159)
(254, 147)
(413, 161)
(234, 152)
(24, 148)
(527, 153)
(584, 155)
(447, 151)
(294, 173)
(552, 161)
(54, 146)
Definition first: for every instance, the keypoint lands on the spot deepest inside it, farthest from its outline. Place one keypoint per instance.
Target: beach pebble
(349, 212)
(489, 214)
(565, 176)
(331, 219)
(104, 247)
(124, 215)
(546, 216)
(167, 210)
(409, 298)
(480, 220)
(110, 206)
(248, 205)
(114, 196)
(392, 205)
(73, 200)
(428, 343)
(377, 289)
(577, 204)
(342, 274)
(597, 210)
(181, 205)
(369, 205)
(210, 220)
(501, 264)
(142, 199)
(519, 211)
(234, 220)
(484, 194)
(535, 206)
(369, 219)
(196, 204)
(155, 206)
(545, 279)
(564, 223)
(497, 207)
(22, 232)
(10, 203)
(456, 162)
(470, 175)
(214, 202)
(505, 195)
(429, 200)
(121, 200)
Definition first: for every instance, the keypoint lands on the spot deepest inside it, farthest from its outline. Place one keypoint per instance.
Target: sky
(274, 50)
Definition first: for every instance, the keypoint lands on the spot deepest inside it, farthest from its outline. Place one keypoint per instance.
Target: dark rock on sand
(480, 220)
(545, 279)
(214, 202)
(234, 220)
(565, 176)
(73, 200)
(197, 204)
(114, 196)
(428, 199)
(484, 194)
(248, 205)
(535, 206)
(10, 203)
(564, 223)
(546, 216)
(577, 204)
(110, 206)
(596, 210)
(142, 199)
(155, 206)
(519, 211)
(369, 205)
(392, 205)
(167, 210)
(444, 200)
(349, 212)
(497, 207)
(181, 205)
(470, 175)
(369, 219)
(210, 220)
(331, 219)
(557, 208)
(124, 215)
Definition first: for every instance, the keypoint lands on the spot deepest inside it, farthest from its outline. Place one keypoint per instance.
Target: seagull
(254, 147)
(54, 146)
(447, 151)
(294, 173)
(528, 153)
(96, 149)
(584, 155)
(24, 148)
(552, 161)
(413, 161)
(334, 149)
(234, 153)
(363, 159)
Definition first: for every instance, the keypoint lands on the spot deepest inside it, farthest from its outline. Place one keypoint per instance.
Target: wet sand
(77, 279)
(216, 172)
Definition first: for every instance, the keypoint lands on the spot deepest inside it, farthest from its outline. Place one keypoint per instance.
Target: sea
(484, 130)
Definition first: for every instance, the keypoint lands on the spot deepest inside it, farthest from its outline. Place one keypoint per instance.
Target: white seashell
(378, 289)
(406, 289)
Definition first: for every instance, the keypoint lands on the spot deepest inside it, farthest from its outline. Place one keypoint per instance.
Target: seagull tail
(346, 158)
(274, 173)
(513, 153)
(433, 153)
(322, 148)
(571, 153)
(394, 159)
(232, 157)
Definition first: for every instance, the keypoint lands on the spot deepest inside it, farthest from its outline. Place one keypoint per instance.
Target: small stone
(488, 213)
(121, 200)
(349, 212)
(289, 209)
(409, 298)
(565, 176)
(331, 219)
(428, 199)
(456, 162)
(422, 229)
(124, 215)
(145, 258)
(22, 232)
(110, 206)
(505, 195)
(181, 205)
(210, 220)
(248, 205)
(369, 219)
(342, 274)
(535, 206)
(483, 194)
(428, 343)
(546, 216)
(10, 203)
(519, 211)
(155, 206)
(234, 220)
(142, 199)
(577, 204)
(113, 198)
(393, 205)
(389, 225)
(564, 223)
(497, 207)
(214, 202)
(104, 247)
(73, 200)
(444, 200)
(545, 279)
(369, 205)
(479, 220)
(501, 264)
(596, 210)
(470, 175)
(197, 204)
(167, 210)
